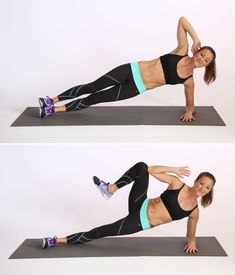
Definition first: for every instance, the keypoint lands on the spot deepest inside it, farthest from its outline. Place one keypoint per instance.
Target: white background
(49, 46)
(48, 190)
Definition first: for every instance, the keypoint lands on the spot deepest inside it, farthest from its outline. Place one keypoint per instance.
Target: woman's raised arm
(161, 173)
(185, 27)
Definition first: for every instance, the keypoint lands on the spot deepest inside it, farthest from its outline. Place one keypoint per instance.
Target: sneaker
(46, 102)
(46, 111)
(103, 187)
(49, 242)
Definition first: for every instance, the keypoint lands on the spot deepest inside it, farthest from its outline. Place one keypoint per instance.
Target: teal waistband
(137, 77)
(144, 215)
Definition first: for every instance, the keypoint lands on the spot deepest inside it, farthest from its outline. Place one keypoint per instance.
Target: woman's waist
(152, 73)
(157, 212)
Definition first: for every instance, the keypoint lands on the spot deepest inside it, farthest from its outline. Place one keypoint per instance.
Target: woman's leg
(123, 87)
(128, 225)
(139, 174)
(119, 92)
(131, 224)
(115, 77)
(120, 84)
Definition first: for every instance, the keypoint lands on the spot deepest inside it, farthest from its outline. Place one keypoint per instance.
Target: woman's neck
(193, 192)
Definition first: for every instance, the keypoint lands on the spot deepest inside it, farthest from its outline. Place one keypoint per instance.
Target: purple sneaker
(46, 111)
(49, 242)
(46, 102)
(103, 187)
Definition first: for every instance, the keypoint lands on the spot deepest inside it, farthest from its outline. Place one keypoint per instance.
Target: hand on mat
(188, 116)
(181, 171)
(190, 247)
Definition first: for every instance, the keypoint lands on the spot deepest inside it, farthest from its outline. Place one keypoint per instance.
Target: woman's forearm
(159, 169)
(189, 29)
(191, 228)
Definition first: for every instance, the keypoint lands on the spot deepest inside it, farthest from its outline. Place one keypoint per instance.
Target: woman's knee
(142, 165)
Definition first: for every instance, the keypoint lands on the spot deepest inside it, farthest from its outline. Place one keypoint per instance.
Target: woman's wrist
(190, 109)
(195, 38)
(190, 239)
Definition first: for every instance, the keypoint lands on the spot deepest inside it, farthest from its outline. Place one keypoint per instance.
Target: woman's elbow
(150, 169)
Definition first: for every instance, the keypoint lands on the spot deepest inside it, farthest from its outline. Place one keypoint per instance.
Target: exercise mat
(121, 115)
(120, 247)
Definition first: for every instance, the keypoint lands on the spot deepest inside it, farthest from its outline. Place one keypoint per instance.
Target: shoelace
(49, 110)
(49, 102)
(52, 241)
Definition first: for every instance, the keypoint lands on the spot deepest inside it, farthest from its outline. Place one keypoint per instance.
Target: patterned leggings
(120, 84)
(131, 223)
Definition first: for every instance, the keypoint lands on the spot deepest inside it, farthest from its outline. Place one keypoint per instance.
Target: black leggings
(120, 84)
(131, 223)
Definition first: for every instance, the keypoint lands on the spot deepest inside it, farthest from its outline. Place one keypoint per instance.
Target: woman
(178, 201)
(130, 80)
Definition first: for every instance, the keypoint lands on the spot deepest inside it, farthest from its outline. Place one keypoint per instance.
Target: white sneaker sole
(43, 243)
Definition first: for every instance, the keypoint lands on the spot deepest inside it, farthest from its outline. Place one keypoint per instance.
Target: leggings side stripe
(140, 196)
(121, 226)
(113, 78)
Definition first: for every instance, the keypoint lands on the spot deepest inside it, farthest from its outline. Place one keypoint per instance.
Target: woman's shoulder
(178, 184)
(180, 51)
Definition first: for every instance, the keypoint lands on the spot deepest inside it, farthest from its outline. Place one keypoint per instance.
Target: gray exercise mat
(120, 247)
(121, 115)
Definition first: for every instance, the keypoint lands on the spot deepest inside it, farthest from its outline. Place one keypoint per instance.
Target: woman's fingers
(183, 171)
(186, 118)
(190, 250)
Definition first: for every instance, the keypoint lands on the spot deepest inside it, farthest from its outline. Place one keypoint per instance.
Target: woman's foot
(49, 242)
(103, 187)
(46, 111)
(46, 102)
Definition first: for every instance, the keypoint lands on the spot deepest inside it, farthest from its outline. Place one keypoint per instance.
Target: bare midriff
(152, 73)
(157, 212)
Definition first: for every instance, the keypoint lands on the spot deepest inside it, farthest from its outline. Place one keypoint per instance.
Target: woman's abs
(152, 73)
(157, 213)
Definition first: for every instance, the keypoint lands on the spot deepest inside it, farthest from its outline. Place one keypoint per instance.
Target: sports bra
(170, 200)
(169, 65)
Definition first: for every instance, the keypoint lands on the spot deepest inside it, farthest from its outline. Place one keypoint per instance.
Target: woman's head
(204, 185)
(205, 57)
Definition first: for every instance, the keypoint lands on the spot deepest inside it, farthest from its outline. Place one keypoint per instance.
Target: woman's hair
(210, 70)
(208, 198)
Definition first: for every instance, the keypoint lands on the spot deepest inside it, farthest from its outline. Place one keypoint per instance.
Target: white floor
(117, 134)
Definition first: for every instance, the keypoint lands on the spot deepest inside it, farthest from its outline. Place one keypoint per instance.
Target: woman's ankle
(61, 241)
(112, 188)
(60, 109)
(55, 100)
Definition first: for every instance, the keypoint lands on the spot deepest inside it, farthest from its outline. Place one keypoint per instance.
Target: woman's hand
(190, 247)
(182, 171)
(196, 46)
(187, 116)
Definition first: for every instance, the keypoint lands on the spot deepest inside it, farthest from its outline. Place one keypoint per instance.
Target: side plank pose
(131, 79)
(176, 202)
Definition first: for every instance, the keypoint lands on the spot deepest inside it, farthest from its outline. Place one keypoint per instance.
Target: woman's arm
(190, 246)
(189, 96)
(185, 27)
(160, 173)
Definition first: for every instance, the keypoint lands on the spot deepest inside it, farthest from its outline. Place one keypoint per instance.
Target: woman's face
(203, 186)
(203, 58)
